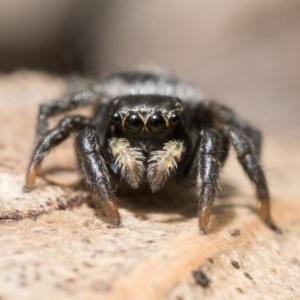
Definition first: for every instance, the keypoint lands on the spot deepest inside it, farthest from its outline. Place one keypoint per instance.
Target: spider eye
(174, 119)
(156, 123)
(134, 123)
(115, 118)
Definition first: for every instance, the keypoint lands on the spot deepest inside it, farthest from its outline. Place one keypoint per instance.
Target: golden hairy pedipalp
(162, 164)
(129, 160)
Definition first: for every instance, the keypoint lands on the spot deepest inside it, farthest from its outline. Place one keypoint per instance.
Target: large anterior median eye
(133, 123)
(156, 123)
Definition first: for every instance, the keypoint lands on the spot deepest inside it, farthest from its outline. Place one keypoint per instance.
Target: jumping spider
(149, 127)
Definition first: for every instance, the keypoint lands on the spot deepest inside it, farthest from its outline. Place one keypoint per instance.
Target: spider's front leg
(52, 139)
(95, 172)
(208, 173)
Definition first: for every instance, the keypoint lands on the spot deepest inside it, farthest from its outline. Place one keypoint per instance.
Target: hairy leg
(251, 165)
(101, 120)
(95, 172)
(208, 173)
(68, 103)
(52, 139)
(224, 115)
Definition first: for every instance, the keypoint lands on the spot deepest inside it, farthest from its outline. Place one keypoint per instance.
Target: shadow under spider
(177, 202)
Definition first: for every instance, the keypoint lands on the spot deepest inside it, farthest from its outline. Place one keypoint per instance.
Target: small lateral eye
(115, 118)
(174, 119)
(156, 123)
(134, 123)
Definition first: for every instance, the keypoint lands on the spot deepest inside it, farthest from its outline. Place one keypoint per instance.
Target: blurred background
(243, 53)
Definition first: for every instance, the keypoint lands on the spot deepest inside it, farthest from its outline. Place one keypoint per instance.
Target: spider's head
(146, 115)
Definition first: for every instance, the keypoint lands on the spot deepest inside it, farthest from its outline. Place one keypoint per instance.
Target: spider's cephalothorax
(149, 127)
(147, 138)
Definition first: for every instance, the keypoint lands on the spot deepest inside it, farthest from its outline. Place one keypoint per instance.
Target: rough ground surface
(55, 244)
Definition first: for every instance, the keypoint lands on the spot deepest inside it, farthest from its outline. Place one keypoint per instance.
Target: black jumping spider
(148, 127)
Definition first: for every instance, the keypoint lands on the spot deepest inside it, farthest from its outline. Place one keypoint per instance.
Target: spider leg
(100, 121)
(95, 172)
(251, 165)
(52, 139)
(189, 174)
(208, 173)
(68, 103)
(227, 116)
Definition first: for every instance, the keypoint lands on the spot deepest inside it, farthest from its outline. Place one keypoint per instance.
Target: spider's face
(146, 115)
